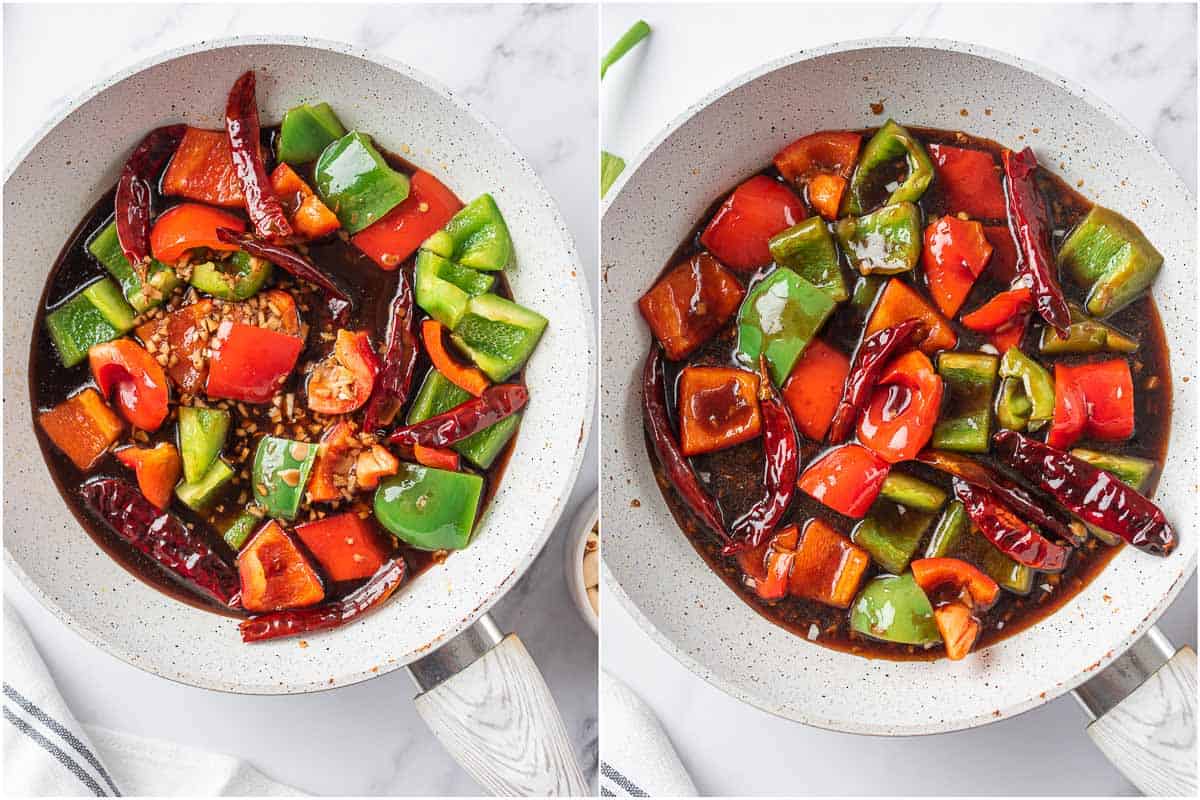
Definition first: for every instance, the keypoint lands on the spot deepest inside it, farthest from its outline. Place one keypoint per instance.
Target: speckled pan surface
(729, 136)
(56, 180)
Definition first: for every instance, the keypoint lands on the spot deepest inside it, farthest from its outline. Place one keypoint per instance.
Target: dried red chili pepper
(679, 472)
(1003, 528)
(293, 622)
(134, 189)
(870, 356)
(1029, 222)
(399, 361)
(1092, 494)
(443, 430)
(241, 125)
(162, 537)
(781, 467)
(290, 261)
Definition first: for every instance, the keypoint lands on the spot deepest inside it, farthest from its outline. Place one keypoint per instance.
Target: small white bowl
(585, 519)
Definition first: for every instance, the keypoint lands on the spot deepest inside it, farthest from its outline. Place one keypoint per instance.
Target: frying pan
(481, 692)
(1139, 690)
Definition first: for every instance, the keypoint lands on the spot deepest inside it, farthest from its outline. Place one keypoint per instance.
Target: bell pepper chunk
(204, 492)
(157, 470)
(342, 382)
(739, 233)
(970, 381)
(808, 249)
(498, 334)
(240, 530)
(823, 152)
(1003, 264)
(814, 388)
(355, 182)
(953, 537)
(444, 289)
(95, 315)
(956, 253)
(1130, 470)
(428, 208)
(465, 377)
(690, 303)
(892, 608)
(275, 574)
(767, 568)
(999, 312)
(825, 194)
(968, 181)
(958, 627)
(137, 378)
(886, 241)
(83, 427)
(779, 317)
(308, 216)
(375, 463)
(239, 277)
(476, 237)
(1110, 257)
(161, 280)
(900, 418)
(912, 492)
(847, 479)
(202, 169)
(280, 474)
(1094, 400)
(889, 143)
(934, 574)
(345, 545)
(250, 364)
(890, 533)
(188, 226)
(827, 567)
(429, 509)
(185, 332)
(1026, 393)
(1085, 335)
(436, 457)
(897, 302)
(335, 462)
(718, 408)
(437, 395)
(306, 131)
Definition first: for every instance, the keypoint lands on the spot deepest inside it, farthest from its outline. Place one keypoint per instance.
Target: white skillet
(652, 569)
(483, 695)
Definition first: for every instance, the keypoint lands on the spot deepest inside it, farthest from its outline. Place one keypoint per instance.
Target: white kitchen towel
(636, 757)
(48, 753)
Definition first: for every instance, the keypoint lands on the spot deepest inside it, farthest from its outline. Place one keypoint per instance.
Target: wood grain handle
(499, 721)
(1150, 735)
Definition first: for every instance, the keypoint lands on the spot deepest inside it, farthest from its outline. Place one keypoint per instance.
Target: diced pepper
(1001, 311)
(1130, 470)
(932, 574)
(814, 387)
(83, 427)
(437, 394)
(1110, 257)
(239, 278)
(356, 183)
(958, 627)
(1010, 335)
(893, 608)
(202, 169)
(280, 474)
(157, 469)
(343, 380)
(956, 253)
(275, 575)
(970, 379)
(475, 237)
(345, 545)
(1003, 264)
(968, 181)
(807, 249)
(240, 530)
(498, 334)
(897, 302)
(1094, 400)
(250, 364)
(137, 378)
(866, 292)
(779, 317)
(717, 408)
(912, 492)
(1026, 393)
(827, 567)
(690, 303)
(188, 226)
(949, 530)
(886, 241)
(427, 209)
(825, 194)
(824, 152)
(847, 479)
(309, 217)
(185, 332)
(429, 509)
(444, 288)
(777, 560)
(739, 233)
(161, 280)
(889, 143)
(201, 494)
(307, 130)
(95, 315)
(375, 463)
(891, 533)
(1085, 335)
(202, 434)
(904, 407)
(436, 457)
(335, 462)
(465, 377)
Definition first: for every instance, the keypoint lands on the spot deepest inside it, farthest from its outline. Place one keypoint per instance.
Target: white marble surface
(531, 71)
(1142, 60)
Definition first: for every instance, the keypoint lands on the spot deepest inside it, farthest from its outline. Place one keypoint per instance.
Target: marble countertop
(1142, 60)
(531, 71)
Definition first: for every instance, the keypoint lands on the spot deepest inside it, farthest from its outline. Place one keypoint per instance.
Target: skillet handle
(486, 701)
(1144, 711)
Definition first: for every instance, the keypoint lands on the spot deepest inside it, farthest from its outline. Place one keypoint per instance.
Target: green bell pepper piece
(498, 334)
(1132, 471)
(1026, 393)
(437, 395)
(97, 314)
(912, 492)
(891, 533)
(970, 379)
(306, 131)
(238, 278)
(779, 317)
(950, 539)
(106, 248)
(201, 494)
(889, 143)
(1110, 257)
(808, 249)
(866, 291)
(1016, 578)
(475, 237)
(356, 182)
(239, 531)
(886, 241)
(948, 531)
(1086, 335)
(444, 288)
(427, 508)
(201, 436)
(895, 609)
(281, 468)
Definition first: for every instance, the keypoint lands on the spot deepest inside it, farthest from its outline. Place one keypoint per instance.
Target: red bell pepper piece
(691, 303)
(955, 254)
(202, 170)
(343, 380)
(898, 302)
(345, 545)
(341, 457)
(464, 376)
(829, 152)
(139, 380)
(1093, 400)
(157, 469)
(250, 364)
(191, 225)
(935, 575)
(1010, 335)
(717, 408)
(241, 126)
(904, 408)
(969, 181)
(1001, 311)
(436, 457)
(185, 332)
(814, 387)
(134, 190)
(847, 479)
(275, 574)
(770, 564)
(83, 427)
(1000, 526)
(738, 234)
(397, 235)
(308, 215)
(870, 357)
(1003, 264)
